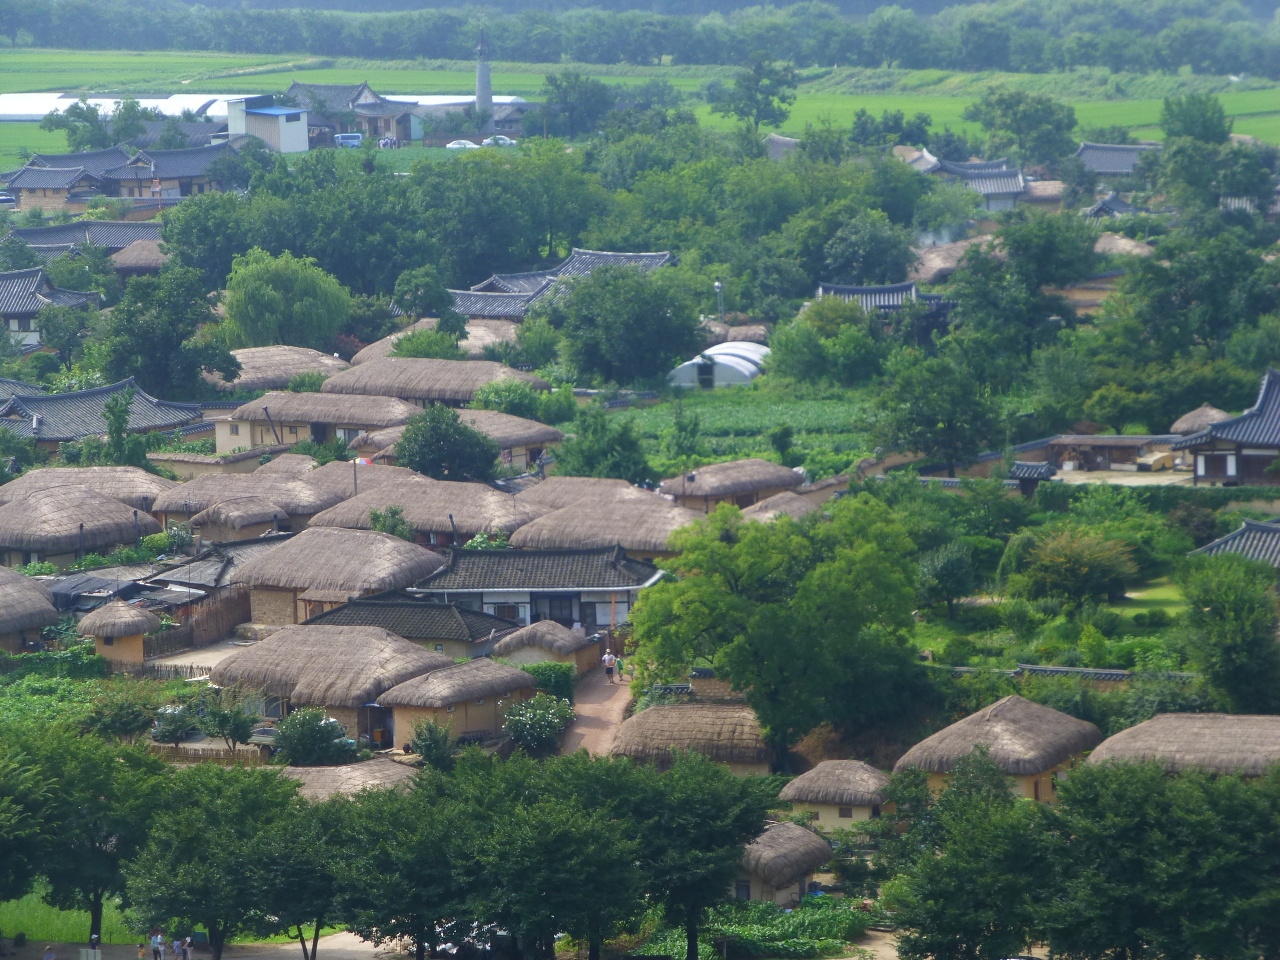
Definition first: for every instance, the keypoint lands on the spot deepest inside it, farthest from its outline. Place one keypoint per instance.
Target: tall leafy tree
(1198, 116)
(421, 293)
(24, 796)
(603, 447)
(284, 299)
(762, 93)
(1040, 125)
(574, 104)
(437, 443)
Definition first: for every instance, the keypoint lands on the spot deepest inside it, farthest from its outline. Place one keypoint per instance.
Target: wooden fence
(160, 671)
(219, 615)
(227, 758)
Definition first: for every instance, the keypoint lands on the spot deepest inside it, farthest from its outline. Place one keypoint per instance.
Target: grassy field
(17, 137)
(41, 922)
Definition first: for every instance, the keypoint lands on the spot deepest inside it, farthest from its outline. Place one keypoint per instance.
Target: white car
(7, 201)
(350, 140)
(462, 145)
(499, 141)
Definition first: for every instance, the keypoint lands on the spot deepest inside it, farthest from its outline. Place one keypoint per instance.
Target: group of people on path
(610, 663)
(181, 948)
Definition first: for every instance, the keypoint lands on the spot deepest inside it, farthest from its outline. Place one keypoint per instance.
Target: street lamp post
(720, 299)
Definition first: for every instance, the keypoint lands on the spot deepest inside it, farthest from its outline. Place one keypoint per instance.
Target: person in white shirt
(608, 660)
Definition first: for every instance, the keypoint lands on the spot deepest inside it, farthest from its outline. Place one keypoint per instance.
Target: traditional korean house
(167, 173)
(1238, 451)
(726, 733)
(117, 629)
(292, 502)
(469, 699)
(588, 588)
(547, 640)
(25, 609)
(282, 417)
(998, 184)
(271, 368)
(61, 524)
(481, 333)
(142, 258)
(1032, 743)
(1215, 743)
(447, 628)
(1113, 159)
(641, 525)
(779, 864)
(130, 485)
(24, 293)
(739, 482)
(53, 419)
(423, 382)
(1255, 539)
(109, 235)
(837, 792)
(54, 189)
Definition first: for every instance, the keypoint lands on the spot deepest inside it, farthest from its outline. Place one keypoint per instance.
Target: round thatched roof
(25, 604)
(1118, 244)
(508, 431)
(454, 684)
(238, 513)
(428, 505)
(295, 496)
(130, 485)
(480, 334)
(68, 518)
(337, 407)
(1024, 738)
(330, 558)
(781, 504)
(557, 492)
(344, 479)
(843, 783)
(348, 779)
(643, 524)
(785, 853)
(941, 261)
(118, 619)
(327, 666)
(140, 255)
(287, 465)
(271, 368)
(731, 479)
(1216, 742)
(450, 381)
(545, 635)
(1201, 418)
(727, 733)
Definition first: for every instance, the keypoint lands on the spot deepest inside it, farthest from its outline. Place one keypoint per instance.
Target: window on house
(450, 709)
(875, 812)
(508, 611)
(817, 815)
(439, 648)
(108, 641)
(235, 429)
(742, 889)
(24, 324)
(480, 702)
(846, 813)
(1035, 790)
(293, 431)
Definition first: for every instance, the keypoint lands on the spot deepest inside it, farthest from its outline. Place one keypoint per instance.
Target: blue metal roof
(274, 111)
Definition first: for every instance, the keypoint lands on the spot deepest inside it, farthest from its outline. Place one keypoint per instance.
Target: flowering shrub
(537, 724)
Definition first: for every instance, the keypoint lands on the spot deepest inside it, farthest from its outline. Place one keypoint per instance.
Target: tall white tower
(484, 87)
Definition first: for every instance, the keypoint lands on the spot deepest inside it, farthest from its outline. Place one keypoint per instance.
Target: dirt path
(599, 707)
(339, 946)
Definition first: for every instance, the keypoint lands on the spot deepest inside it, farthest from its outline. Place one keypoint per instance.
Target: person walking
(186, 949)
(177, 947)
(142, 951)
(608, 660)
(48, 953)
(157, 946)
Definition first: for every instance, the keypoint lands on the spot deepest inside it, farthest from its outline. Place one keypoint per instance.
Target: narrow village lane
(599, 707)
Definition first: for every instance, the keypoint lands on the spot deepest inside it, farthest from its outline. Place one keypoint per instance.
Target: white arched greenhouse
(723, 365)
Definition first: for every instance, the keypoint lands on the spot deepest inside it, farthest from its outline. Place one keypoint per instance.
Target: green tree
(311, 381)
(128, 120)
(24, 796)
(622, 325)
(437, 443)
(15, 254)
(435, 745)
(63, 329)
(308, 738)
(1117, 406)
(171, 136)
(947, 574)
(392, 521)
(1040, 125)
(761, 95)
(1197, 116)
(421, 293)
(574, 105)
(155, 335)
(935, 408)
(869, 249)
(508, 395)
(124, 709)
(123, 449)
(603, 447)
(221, 812)
(1232, 629)
(228, 716)
(1076, 565)
(84, 125)
(284, 299)
(431, 344)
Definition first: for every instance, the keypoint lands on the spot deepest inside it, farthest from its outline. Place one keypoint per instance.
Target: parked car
(7, 201)
(348, 139)
(498, 140)
(462, 145)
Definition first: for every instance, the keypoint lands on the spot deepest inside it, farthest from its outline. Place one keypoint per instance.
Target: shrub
(392, 521)
(307, 738)
(430, 344)
(557, 679)
(309, 382)
(1076, 566)
(174, 724)
(435, 745)
(558, 405)
(489, 541)
(537, 724)
(514, 397)
(40, 568)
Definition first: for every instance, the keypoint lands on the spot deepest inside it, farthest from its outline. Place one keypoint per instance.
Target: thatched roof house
(1026, 740)
(469, 698)
(25, 608)
(271, 368)
(132, 486)
(642, 526)
(59, 524)
(726, 733)
(424, 381)
(341, 669)
(330, 408)
(440, 511)
(778, 864)
(118, 619)
(742, 482)
(786, 504)
(297, 498)
(444, 627)
(239, 518)
(548, 640)
(348, 779)
(520, 441)
(139, 258)
(347, 478)
(836, 786)
(1198, 419)
(557, 492)
(480, 334)
(1213, 742)
(338, 563)
(939, 262)
(287, 465)
(1117, 244)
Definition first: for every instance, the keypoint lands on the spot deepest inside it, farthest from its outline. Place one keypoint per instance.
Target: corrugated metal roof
(49, 178)
(606, 568)
(1259, 426)
(416, 619)
(1255, 540)
(1112, 158)
(71, 416)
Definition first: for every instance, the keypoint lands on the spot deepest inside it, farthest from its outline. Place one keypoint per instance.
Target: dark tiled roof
(497, 305)
(95, 161)
(197, 132)
(416, 619)
(1259, 426)
(606, 568)
(1255, 540)
(112, 235)
(582, 262)
(998, 184)
(27, 292)
(1112, 440)
(1027, 447)
(1111, 206)
(169, 164)
(973, 168)
(516, 282)
(335, 97)
(16, 388)
(1112, 158)
(71, 416)
(888, 297)
(52, 251)
(49, 178)
(1031, 471)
